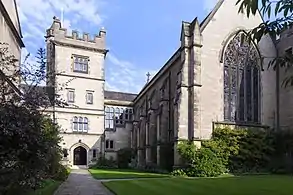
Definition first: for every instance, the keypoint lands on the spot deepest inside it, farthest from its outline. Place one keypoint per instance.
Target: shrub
(61, 173)
(104, 163)
(239, 151)
(205, 164)
(179, 172)
(201, 162)
(124, 157)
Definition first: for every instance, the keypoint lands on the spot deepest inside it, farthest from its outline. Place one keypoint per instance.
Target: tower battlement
(60, 35)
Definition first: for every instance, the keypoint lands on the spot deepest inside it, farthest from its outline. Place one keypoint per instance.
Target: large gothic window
(241, 81)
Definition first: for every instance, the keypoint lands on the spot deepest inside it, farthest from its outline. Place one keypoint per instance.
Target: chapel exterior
(212, 79)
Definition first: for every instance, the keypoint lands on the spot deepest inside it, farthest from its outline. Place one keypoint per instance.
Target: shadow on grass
(123, 174)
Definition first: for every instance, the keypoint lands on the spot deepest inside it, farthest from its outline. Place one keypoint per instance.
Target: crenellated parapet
(61, 36)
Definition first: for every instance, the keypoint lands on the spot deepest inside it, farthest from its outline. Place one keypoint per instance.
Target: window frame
(242, 100)
(94, 153)
(79, 62)
(108, 144)
(80, 124)
(69, 100)
(88, 94)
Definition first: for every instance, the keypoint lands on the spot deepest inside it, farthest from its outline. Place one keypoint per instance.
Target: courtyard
(246, 185)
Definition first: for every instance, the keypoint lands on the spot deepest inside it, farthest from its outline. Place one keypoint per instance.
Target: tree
(280, 18)
(29, 139)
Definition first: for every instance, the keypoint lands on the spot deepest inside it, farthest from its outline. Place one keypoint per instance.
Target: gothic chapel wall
(216, 34)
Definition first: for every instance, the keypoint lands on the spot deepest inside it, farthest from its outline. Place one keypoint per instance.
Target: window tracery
(241, 81)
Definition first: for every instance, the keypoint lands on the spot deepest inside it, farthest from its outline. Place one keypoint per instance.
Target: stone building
(11, 38)
(212, 79)
(96, 122)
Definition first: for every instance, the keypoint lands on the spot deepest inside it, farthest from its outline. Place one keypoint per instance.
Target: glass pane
(80, 124)
(226, 93)
(85, 127)
(75, 126)
(111, 124)
(248, 93)
(241, 94)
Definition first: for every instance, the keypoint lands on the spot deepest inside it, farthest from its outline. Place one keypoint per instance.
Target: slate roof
(120, 96)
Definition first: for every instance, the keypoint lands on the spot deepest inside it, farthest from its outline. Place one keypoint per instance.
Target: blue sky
(141, 35)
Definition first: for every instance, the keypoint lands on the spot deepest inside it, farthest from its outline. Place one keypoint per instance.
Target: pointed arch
(234, 33)
(241, 65)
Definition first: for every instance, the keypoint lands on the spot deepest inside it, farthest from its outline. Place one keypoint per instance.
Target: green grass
(248, 185)
(48, 187)
(122, 174)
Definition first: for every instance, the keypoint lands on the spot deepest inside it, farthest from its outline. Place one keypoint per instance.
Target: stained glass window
(241, 81)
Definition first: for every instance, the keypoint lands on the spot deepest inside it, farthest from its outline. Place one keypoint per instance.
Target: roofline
(202, 25)
(17, 15)
(158, 74)
(121, 92)
(11, 25)
(210, 16)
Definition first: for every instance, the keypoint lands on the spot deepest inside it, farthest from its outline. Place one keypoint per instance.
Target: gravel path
(80, 182)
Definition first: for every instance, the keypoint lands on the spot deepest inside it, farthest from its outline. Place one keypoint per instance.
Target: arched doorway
(79, 156)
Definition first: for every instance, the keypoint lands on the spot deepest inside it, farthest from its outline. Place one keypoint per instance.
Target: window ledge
(244, 124)
(78, 71)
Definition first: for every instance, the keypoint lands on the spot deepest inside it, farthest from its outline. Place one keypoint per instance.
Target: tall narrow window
(241, 81)
(109, 144)
(80, 124)
(85, 124)
(70, 96)
(109, 118)
(75, 123)
(89, 97)
(94, 153)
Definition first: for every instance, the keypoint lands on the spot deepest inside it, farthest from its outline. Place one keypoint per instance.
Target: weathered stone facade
(186, 99)
(11, 38)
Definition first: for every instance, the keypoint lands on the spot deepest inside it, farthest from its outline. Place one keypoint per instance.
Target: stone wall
(286, 113)
(61, 51)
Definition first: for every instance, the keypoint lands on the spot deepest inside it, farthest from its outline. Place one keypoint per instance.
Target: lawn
(248, 185)
(122, 174)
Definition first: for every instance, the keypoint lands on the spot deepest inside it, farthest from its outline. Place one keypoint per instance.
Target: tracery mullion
(245, 84)
(234, 79)
(252, 92)
(237, 88)
(259, 96)
(229, 97)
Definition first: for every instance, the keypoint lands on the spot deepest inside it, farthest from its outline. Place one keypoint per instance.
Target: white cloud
(36, 16)
(125, 76)
(209, 5)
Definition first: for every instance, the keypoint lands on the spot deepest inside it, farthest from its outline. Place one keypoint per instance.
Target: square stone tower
(75, 68)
